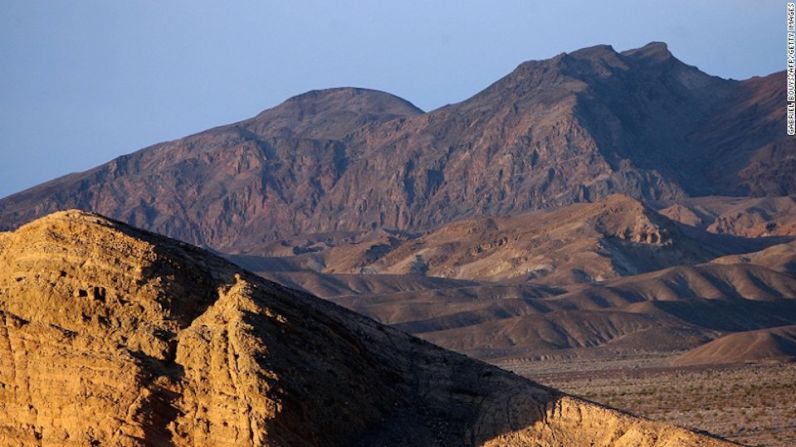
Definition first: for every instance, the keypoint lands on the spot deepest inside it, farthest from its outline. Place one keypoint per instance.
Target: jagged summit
(596, 52)
(653, 51)
(121, 337)
(599, 58)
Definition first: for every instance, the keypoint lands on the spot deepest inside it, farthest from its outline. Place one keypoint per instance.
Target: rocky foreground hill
(574, 128)
(111, 335)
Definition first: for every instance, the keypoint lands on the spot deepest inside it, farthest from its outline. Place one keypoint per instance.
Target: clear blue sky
(82, 82)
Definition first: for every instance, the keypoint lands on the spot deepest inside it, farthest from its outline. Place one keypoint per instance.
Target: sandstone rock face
(574, 128)
(114, 336)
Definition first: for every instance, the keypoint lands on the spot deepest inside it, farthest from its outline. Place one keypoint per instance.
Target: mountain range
(594, 205)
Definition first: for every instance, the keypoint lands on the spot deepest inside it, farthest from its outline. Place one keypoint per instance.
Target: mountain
(111, 335)
(756, 158)
(574, 128)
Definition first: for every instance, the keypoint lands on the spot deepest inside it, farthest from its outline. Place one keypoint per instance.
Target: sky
(85, 81)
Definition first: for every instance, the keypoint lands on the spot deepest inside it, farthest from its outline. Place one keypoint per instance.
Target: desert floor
(753, 404)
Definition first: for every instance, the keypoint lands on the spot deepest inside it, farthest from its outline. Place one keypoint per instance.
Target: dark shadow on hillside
(343, 379)
(728, 244)
(734, 314)
(256, 263)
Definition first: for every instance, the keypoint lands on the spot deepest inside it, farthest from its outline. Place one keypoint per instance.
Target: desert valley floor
(752, 404)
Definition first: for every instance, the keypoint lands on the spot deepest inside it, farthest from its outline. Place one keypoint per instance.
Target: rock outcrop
(114, 336)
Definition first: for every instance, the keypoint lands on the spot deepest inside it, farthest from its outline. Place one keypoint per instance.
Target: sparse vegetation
(753, 404)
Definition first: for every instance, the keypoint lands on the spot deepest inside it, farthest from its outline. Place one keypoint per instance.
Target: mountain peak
(595, 50)
(331, 113)
(353, 97)
(653, 51)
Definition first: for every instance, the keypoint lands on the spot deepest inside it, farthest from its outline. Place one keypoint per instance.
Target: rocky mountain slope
(574, 128)
(114, 336)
